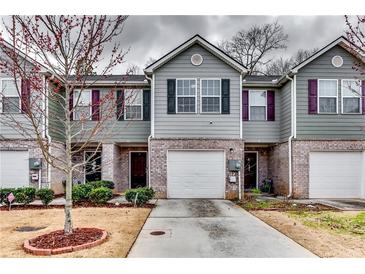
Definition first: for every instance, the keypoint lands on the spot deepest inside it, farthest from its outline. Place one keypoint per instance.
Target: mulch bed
(76, 205)
(58, 239)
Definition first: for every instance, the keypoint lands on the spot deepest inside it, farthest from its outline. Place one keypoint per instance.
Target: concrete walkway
(210, 228)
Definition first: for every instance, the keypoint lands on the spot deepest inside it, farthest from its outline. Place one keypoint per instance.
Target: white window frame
(213, 96)
(249, 105)
(75, 101)
(342, 96)
(2, 95)
(318, 96)
(133, 104)
(196, 96)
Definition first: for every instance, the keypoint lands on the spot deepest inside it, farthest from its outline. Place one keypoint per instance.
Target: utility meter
(234, 165)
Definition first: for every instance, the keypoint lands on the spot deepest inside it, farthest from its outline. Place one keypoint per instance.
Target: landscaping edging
(53, 251)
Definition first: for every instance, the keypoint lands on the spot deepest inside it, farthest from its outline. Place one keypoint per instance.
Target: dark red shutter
(71, 105)
(25, 95)
(244, 105)
(312, 96)
(363, 96)
(95, 105)
(270, 105)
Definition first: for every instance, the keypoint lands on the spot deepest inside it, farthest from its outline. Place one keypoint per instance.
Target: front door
(138, 169)
(250, 170)
(93, 166)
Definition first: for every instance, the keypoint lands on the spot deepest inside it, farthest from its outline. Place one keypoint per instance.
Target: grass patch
(338, 222)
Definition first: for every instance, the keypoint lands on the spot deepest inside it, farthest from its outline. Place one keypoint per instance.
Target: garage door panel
(14, 168)
(335, 174)
(195, 174)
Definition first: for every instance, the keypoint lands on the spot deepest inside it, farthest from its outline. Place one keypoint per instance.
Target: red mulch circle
(58, 242)
(57, 239)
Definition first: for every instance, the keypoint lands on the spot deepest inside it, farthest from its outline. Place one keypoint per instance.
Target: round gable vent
(196, 59)
(337, 61)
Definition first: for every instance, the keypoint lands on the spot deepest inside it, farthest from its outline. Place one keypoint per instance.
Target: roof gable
(197, 39)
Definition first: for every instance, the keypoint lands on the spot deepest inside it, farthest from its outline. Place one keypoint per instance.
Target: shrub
(46, 195)
(4, 192)
(81, 192)
(140, 195)
(102, 183)
(101, 195)
(24, 195)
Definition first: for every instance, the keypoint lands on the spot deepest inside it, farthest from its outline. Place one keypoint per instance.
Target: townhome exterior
(201, 127)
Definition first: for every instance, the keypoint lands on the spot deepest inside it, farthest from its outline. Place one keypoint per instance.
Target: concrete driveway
(210, 228)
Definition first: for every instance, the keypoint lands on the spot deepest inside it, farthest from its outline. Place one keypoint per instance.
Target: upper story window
(327, 96)
(82, 105)
(186, 95)
(210, 95)
(133, 104)
(10, 100)
(258, 105)
(351, 96)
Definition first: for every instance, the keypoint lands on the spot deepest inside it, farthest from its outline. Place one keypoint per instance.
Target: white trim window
(133, 104)
(210, 92)
(82, 105)
(10, 99)
(257, 105)
(186, 95)
(351, 96)
(327, 96)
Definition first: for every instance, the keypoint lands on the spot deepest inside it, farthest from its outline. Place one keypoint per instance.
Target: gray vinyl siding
(56, 117)
(117, 131)
(327, 126)
(285, 112)
(197, 124)
(263, 131)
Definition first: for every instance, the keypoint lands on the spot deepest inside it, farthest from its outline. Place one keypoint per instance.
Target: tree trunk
(68, 206)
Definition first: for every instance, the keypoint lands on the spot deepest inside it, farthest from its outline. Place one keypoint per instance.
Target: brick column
(110, 164)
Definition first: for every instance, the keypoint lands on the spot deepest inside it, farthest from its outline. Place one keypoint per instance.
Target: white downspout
(152, 80)
(290, 183)
(49, 138)
(241, 137)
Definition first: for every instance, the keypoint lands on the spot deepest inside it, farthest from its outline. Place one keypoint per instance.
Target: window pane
(133, 97)
(327, 87)
(83, 100)
(351, 88)
(327, 105)
(82, 113)
(133, 113)
(186, 104)
(10, 104)
(210, 104)
(257, 98)
(185, 87)
(210, 88)
(9, 88)
(258, 113)
(351, 105)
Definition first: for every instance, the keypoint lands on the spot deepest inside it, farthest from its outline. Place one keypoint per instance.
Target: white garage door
(335, 174)
(14, 168)
(195, 174)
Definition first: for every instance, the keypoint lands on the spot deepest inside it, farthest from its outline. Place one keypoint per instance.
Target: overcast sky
(153, 36)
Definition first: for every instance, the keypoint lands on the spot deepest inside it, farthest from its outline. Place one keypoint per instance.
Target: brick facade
(301, 150)
(278, 169)
(158, 153)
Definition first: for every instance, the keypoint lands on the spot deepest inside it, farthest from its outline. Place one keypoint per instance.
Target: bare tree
(63, 49)
(283, 65)
(132, 69)
(252, 47)
(150, 61)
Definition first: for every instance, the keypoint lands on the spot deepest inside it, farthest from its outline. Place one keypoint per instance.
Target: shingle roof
(261, 78)
(113, 78)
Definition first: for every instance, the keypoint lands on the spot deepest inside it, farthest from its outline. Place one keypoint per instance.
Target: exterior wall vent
(196, 59)
(337, 61)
